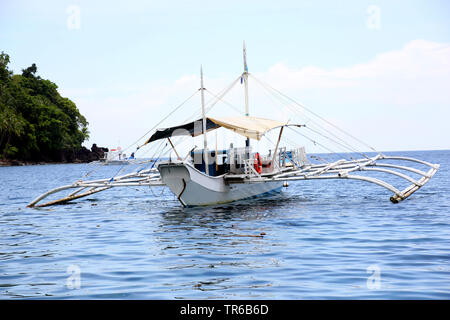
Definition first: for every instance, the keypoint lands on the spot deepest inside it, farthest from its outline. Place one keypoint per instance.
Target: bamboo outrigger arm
(344, 169)
(148, 177)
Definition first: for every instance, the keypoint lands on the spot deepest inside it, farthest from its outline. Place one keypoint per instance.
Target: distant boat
(116, 157)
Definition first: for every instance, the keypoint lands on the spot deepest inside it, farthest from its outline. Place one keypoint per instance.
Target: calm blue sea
(323, 240)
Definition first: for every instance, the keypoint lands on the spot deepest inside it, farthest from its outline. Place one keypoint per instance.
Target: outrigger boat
(209, 177)
(116, 157)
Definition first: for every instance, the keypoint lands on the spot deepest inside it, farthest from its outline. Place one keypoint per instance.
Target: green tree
(36, 123)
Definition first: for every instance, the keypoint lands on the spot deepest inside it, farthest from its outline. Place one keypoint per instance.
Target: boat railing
(269, 165)
(249, 168)
(298, 157)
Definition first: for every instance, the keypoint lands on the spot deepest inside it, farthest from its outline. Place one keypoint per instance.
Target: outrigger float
(206, 177)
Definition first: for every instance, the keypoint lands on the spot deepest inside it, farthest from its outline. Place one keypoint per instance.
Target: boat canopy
(250, 127)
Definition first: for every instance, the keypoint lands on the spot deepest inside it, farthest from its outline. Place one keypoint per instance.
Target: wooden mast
(205, 145)
(245, 79)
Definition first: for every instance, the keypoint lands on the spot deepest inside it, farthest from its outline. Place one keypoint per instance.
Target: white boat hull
(194, 188)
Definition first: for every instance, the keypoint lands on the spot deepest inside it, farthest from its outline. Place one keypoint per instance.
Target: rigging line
(292, 143)
(351, 149)
(193, 116)
(144, 165)
(289, 106)
(289, 141)
(154, 159)
(284, 138)
(343, 143)
(212, 103)
(118, 171)
(154, 151)
(220, 96)
(159, 156)
(87, 174)
(148, 163)
(163, 145)
(315, 156)
(319, 144)
(272, 97)
(99, 165)
(323, 119)
(227, 103)
(292, 107)
(167, 116)
(121, 169)
(158, 149)
(123, 166)
(151, 189)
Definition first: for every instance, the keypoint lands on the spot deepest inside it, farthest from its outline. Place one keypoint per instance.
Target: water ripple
(316, 240)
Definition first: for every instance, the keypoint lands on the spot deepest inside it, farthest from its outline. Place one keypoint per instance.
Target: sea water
(314, 240)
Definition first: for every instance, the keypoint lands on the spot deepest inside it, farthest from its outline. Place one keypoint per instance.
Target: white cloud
(396, 101)
(419, 72)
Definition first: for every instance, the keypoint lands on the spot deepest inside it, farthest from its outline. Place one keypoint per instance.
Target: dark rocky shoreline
(84, 155)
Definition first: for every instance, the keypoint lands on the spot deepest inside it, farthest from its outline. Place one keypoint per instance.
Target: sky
(378, 69)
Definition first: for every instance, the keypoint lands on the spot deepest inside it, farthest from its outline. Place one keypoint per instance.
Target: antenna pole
(205, 145)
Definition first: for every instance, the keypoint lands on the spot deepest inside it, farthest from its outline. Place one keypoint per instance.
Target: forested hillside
(36, 123)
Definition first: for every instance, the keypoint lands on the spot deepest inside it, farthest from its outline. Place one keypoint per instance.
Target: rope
(101, 164)
(317, 143)
(162, 191)
(349, 148)
(313, 141)
(154, 127)
(227, 103)
(288, 105)
(308, 119)
(218, 98)
(345, 145)
(318, 116)
(151, 158)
